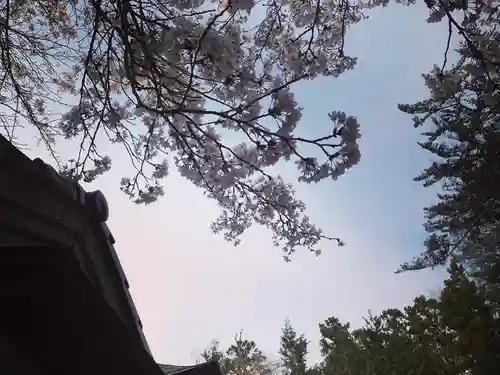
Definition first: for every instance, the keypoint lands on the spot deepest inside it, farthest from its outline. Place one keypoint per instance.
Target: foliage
(241, 358)
(293, 351)
(455, 334)
(171, 82)
(462, 115)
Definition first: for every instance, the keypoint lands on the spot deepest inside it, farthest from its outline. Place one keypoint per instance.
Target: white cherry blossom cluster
(205, 85)
(442, 84)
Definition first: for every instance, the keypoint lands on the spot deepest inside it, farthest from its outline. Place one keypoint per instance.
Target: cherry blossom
(172, 81)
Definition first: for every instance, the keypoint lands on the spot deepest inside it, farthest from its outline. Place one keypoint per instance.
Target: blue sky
(191, 287)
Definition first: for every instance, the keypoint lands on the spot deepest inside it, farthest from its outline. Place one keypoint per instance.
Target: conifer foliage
(462, 132)
(454, 333)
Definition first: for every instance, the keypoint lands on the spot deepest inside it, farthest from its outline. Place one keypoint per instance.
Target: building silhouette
(65, 301)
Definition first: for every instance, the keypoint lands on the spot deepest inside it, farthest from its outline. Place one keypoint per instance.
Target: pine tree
(293, 351)
(214, 353)
(242, 357)
(456, 333)
(463, 137)
(466, 312)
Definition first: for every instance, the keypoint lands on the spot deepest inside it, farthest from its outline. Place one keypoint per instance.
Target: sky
(190, 286)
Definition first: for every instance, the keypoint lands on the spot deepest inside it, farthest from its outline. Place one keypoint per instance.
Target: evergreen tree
(342, 352)
(463, 137)
(214, 353)
(476, 327)
(455, 334)
(242, 357)
(293, 351)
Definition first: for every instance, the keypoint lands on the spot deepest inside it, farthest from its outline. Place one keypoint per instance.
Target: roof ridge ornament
(97, 205)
